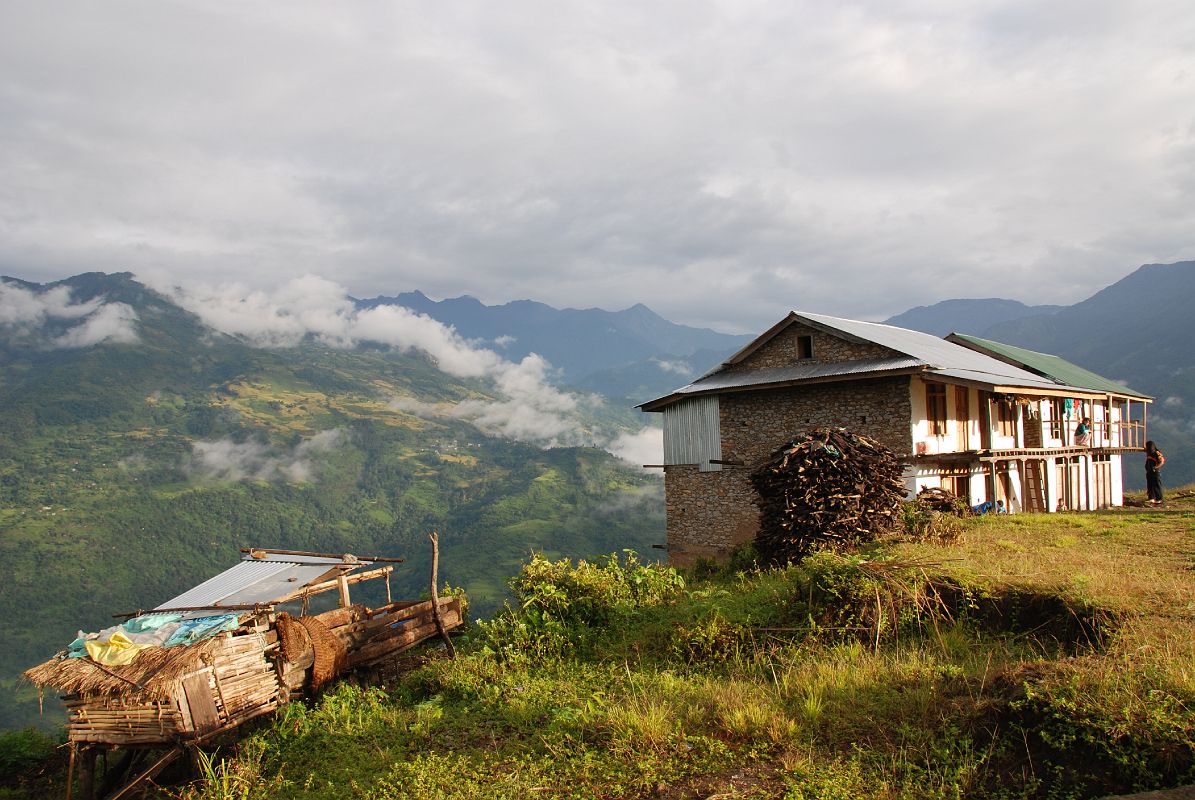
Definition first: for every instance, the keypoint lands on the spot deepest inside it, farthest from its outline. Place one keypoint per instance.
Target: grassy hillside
(130, 472)
(1036, 656)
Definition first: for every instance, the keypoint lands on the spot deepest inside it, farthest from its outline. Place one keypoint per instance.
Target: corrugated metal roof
(1041, 384)
(732, 379)
(256, 581)
(1057, 368)
(918, 351)
(932, 351)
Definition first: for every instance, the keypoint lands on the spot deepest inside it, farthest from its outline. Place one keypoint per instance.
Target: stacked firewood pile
(828, 487)
(942, 501)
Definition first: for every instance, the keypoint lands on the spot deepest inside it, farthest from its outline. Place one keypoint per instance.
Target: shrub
(593, 593)
(560, 604)
(21, 750)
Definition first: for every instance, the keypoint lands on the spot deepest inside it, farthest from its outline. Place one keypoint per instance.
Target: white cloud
(111, 322)
(645, 500)
(641, 448)
(228, 460)
(529, 408)
(26, 313)
(678, 367)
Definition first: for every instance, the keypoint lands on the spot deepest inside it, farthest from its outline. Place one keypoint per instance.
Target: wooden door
(201, 702)
(962, 411)
(985, 420)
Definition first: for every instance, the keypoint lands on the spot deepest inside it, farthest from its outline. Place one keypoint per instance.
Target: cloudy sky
(722, 162)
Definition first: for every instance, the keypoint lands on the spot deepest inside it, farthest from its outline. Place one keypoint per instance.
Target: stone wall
(781, 351)
(710, 513)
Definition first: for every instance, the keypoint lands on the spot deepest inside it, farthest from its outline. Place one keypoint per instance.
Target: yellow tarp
(118, 650)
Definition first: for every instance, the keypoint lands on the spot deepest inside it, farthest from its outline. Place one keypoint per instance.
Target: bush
(593, 594)
(21, 750)
(560, 604)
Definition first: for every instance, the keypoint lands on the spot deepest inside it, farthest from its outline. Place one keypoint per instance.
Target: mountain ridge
(582, 343)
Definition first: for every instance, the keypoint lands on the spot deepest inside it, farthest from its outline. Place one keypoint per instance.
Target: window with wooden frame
(935, 408)
(804, 347)
(1057, 421)
(957, 481)
(1006, 417)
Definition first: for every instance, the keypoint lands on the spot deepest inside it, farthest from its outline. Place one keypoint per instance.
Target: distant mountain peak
(973, 316)
(579, 342)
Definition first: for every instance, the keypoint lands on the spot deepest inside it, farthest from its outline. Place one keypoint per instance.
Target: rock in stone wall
(782, 351)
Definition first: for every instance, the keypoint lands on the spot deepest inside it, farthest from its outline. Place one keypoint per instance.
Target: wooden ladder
(1035, 495)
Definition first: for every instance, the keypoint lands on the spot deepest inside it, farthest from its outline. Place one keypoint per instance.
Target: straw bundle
(151, 676)
(293, 638)
(330, 652)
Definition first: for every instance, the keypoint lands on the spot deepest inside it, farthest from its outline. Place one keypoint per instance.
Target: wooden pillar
(343, 584)
(70, 772)
(87, 774)
(435, 540)
(1086, 462)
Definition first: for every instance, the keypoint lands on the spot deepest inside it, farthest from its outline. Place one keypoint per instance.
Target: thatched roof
(152, 675)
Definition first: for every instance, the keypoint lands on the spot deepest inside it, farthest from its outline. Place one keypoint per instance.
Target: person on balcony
(1083, 433)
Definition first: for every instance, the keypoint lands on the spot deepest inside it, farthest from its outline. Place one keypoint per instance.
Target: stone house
(982, 419)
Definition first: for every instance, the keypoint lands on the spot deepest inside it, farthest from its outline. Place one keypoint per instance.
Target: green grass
(980, 669)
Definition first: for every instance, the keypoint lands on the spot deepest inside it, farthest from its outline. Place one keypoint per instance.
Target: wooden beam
(149, 772)
(318, 588)
(375, 559)
(212, 607)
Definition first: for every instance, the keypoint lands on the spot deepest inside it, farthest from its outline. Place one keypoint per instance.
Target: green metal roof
(1048, 365)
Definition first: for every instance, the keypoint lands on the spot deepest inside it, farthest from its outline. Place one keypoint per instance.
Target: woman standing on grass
(1153, 481)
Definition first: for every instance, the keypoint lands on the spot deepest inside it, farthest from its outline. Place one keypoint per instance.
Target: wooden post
(70, 772)
(87, 774)
(435, 540)
(343, 584)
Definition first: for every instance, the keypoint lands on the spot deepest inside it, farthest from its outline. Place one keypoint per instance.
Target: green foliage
(709, 640)
(561, 603)
(1144, 740)
(22, 749)
(593, 593)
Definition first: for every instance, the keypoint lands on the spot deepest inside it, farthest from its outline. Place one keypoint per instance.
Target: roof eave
(662, 402)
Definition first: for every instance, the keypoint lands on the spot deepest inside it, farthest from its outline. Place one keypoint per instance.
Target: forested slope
(132, 470)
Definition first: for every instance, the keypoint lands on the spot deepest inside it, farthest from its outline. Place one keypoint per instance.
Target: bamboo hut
(233, 653)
